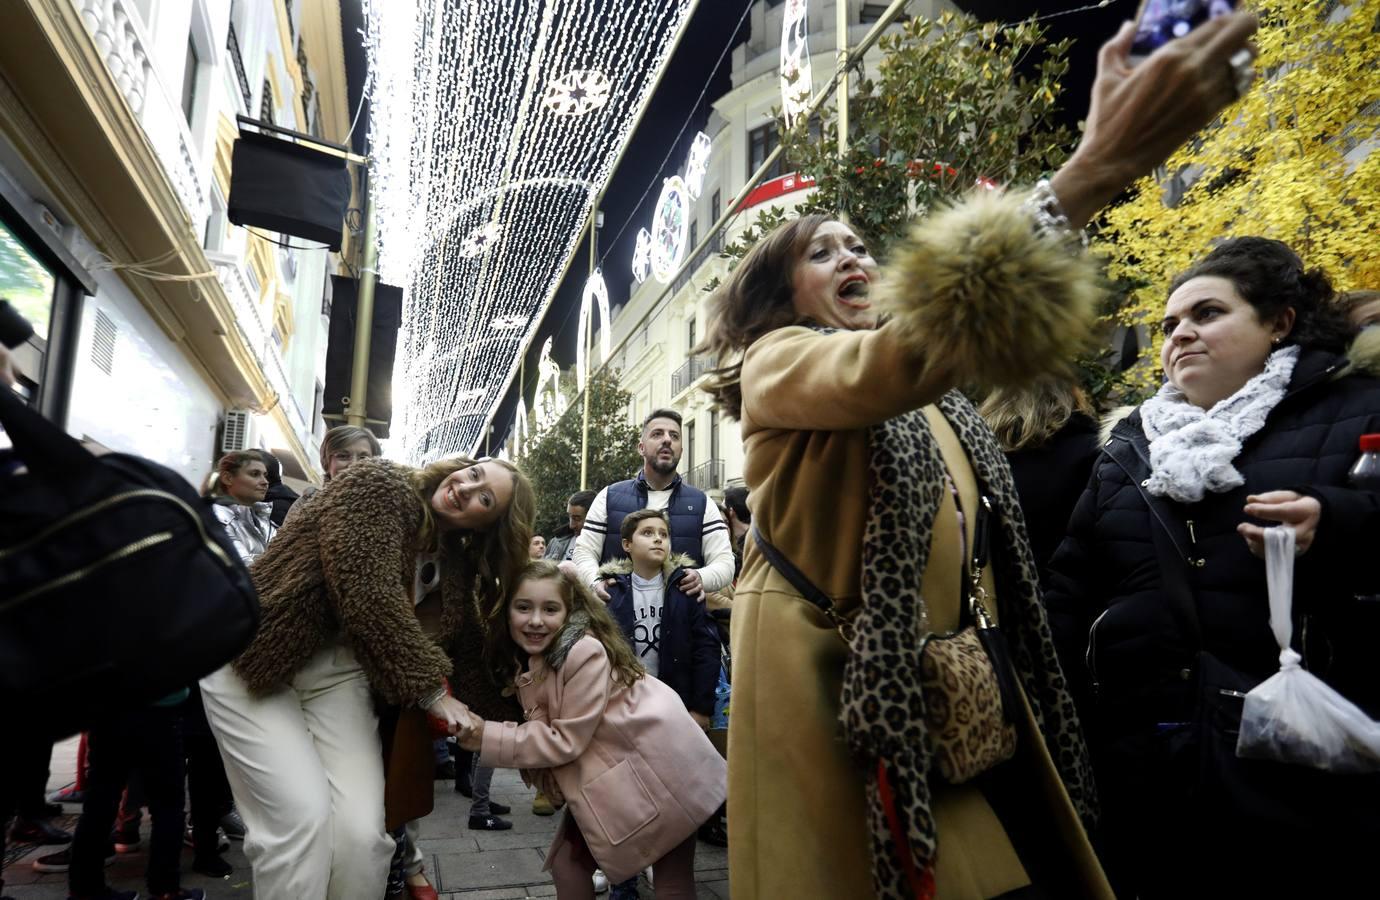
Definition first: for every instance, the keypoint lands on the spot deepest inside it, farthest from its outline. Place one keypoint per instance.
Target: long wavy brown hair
(494, 557)
(505, 658)
(755, 300)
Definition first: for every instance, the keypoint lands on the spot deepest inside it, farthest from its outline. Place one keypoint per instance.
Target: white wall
(154, 402)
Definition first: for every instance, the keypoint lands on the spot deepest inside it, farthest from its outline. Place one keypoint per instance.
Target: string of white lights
(493, 125)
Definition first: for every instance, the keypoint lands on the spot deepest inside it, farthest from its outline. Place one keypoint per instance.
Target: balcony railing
(116, 28)
(232, 43)
(689, 372)
(708, 475)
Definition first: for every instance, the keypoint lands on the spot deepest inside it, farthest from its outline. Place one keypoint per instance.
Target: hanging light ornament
(577, 93)
(595, 292)
(796, 83)
(670, 227)
(642, 255)
(480, 240)
(697, 165)
(493, 126)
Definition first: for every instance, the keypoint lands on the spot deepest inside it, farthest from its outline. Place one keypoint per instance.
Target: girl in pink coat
(636, 772)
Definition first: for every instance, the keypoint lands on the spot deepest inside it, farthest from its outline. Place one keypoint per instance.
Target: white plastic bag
(1293, 716)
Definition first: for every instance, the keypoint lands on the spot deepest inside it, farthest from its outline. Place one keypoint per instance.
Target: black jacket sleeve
(704, 659)
(1076, 592)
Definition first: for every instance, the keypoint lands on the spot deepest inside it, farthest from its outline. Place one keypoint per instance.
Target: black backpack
(117, 585)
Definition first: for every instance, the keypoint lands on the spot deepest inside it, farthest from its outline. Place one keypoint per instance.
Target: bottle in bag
(1365, 475)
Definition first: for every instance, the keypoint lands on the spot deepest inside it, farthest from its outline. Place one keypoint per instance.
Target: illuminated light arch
(596, 291)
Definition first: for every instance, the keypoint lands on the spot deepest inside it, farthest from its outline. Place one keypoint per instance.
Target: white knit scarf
(1191, 450)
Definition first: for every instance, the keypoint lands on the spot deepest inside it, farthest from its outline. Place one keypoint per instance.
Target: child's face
(535, 614)
(649, 543)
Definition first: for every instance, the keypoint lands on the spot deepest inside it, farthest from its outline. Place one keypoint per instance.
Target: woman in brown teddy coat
(378, 588)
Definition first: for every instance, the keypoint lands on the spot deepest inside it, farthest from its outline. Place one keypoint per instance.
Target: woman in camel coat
(866, 470)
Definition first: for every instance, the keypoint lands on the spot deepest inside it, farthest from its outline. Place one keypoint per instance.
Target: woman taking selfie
(834, 599)
(340, 589)
(1158, 597)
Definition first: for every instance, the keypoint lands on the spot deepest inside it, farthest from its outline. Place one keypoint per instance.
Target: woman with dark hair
(344, 590)
(1158, 598)
(872, 481)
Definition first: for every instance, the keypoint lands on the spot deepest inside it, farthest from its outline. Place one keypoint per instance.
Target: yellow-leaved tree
(1297, 159)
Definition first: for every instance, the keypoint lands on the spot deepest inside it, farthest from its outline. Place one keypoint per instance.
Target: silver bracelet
(1049, 216)
(430, 699)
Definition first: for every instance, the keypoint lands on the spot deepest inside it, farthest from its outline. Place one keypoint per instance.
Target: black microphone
(14, 328)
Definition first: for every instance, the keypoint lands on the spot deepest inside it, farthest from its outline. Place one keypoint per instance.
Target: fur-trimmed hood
(624, 566)
(569, 635)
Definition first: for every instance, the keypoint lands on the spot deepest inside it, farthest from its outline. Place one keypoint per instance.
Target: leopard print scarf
(883, 708)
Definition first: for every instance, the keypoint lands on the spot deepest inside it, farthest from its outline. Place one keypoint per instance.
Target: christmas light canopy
(642, 255)
(493, 126)
(670, 227)
(796, 82)
(697, 164)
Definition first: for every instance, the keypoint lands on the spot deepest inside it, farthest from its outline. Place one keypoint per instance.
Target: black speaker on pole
(340, 352)
(288, 188)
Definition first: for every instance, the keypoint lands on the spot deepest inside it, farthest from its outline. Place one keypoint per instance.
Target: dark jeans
(149, 741)
(207, 787)
(23, 775)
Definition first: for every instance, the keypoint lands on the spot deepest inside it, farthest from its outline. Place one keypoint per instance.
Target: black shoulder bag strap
(797, 579)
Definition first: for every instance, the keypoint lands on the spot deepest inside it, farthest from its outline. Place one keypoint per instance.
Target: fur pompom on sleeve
(980, 293)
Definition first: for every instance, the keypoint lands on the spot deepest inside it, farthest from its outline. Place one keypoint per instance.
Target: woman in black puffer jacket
(1157, 596)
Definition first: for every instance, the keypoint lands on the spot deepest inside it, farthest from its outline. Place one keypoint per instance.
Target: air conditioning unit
(239, 432)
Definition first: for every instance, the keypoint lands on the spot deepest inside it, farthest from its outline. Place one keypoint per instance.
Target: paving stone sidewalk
(463, 864)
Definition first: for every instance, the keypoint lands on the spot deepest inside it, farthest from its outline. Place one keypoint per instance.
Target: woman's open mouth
(452, 498)
(854, 292)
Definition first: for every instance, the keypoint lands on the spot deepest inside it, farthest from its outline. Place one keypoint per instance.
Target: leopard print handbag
(966, 678)
(968, 720)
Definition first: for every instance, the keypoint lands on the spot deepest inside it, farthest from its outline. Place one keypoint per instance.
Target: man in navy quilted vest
(697, 528)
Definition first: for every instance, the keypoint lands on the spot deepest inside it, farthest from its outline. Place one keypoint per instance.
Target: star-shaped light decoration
(697, 164)
(577, 93)
(480, 240)
(642, 255)
(508, 323)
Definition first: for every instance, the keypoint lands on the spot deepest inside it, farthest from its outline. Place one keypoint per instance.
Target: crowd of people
(940, 650)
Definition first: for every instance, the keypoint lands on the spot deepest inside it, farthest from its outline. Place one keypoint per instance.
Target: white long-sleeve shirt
(717, 572)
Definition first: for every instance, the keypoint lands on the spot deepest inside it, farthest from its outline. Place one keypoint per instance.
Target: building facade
(163, 330)
(661, 323)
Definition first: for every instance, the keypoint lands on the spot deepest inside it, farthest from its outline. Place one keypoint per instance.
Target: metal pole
(841, 20)
(586, 338)
(364, 318)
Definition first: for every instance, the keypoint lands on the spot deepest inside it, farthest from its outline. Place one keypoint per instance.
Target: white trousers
(306, 767)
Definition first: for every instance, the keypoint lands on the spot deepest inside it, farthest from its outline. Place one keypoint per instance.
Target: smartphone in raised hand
(1162, 21)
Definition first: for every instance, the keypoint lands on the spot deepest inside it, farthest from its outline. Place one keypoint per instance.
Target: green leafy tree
(552, 460)
(955, 104)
